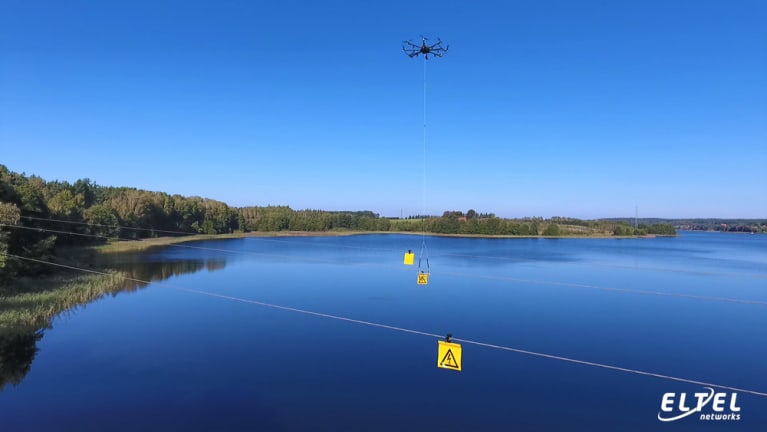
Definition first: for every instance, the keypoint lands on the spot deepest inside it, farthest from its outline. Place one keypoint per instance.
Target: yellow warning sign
(423, 278)
(449, 355)
(409, 258)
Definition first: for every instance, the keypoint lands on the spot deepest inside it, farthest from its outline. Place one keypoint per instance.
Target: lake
(164, 357)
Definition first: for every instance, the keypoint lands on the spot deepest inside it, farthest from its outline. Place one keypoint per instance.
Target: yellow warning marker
(423, 278)
(449, 355)
(409, 258)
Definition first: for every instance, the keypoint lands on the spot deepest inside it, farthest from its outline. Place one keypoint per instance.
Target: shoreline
(139, 245)
(58, 293)
(143, 244)
(510, 236)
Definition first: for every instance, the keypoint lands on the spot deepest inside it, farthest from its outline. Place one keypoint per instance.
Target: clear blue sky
(540, 108)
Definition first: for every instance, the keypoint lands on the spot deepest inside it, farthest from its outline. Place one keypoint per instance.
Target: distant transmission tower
(636, 217)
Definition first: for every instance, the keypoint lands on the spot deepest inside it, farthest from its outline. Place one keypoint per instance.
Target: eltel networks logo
(676, 406)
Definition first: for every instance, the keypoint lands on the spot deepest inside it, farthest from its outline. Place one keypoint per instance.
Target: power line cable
(410, 331)
(58, 231)
(455, 274)
(109, 226)
(282, 239)
(612, 289)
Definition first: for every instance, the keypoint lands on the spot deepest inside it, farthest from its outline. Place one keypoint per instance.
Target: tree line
(97, 213)
(707, 224)
(283, 218)
(88, 209)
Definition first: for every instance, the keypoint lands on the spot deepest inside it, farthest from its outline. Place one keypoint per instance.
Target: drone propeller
(437, 45)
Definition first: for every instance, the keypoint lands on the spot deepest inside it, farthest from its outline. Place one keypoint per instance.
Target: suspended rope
(58, 231)
(445, 273)
(109, 226)
(281, 239)
(402, 329)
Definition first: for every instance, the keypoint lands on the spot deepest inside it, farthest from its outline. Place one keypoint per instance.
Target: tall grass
(32, 304)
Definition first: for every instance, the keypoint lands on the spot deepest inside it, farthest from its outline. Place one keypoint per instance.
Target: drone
(412, 50)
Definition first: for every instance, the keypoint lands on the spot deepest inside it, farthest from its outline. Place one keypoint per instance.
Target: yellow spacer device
(423, 278)
(409, 258)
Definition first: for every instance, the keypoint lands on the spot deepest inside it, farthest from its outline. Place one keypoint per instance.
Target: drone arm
(413, 50)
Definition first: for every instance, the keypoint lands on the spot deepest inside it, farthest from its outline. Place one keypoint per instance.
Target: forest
(36, 216)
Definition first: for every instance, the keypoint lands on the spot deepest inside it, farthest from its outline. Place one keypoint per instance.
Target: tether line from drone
(406, 330)
(413, 50)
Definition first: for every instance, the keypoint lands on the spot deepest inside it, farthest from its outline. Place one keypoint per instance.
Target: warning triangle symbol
(449, 360)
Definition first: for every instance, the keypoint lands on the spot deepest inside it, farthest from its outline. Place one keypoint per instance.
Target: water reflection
(19, 347)
(16, 354)
(158, 270)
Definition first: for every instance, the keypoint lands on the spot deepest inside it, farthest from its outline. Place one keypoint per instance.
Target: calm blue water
(162, 359)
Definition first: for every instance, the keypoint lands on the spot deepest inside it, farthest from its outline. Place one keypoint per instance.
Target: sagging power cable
(406, 330)
(454, 274)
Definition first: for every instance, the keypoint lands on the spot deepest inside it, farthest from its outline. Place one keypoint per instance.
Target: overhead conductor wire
(453, 274)
(281, 239)
(406, 330)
